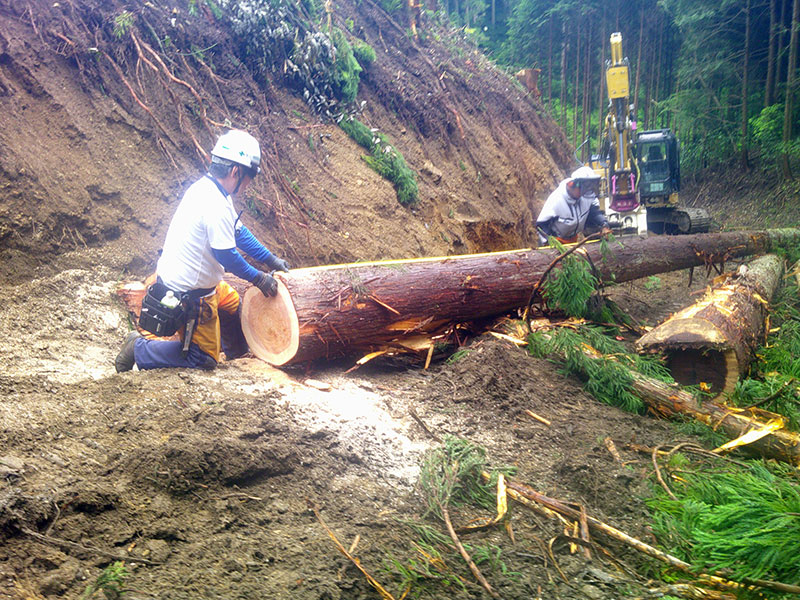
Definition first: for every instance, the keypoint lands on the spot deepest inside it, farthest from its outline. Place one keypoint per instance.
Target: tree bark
(586, 150)
(602, 87)
(779, 51)
(668, 400)
(789, 103)
(656, 94)
(550, 66)
(745, 74)
(769, 85)
(575, 92)
(563, 91)
(639, 67)
(715, 340)
(339, 310)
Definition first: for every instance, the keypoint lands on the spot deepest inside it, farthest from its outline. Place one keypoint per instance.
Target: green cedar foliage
(364, 53)
(111, 582)
(347, 70)
(451, 476)
(743, 519)
(570, 285)
(607, 378)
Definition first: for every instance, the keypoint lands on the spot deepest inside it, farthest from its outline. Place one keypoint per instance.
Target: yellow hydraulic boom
(619, 128)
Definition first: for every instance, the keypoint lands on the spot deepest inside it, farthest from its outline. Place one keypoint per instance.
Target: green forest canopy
(715, 71)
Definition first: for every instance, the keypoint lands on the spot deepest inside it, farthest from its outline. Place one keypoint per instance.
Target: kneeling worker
(200, 246)
(572, 207)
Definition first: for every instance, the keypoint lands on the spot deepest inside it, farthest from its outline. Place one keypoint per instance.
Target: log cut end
(684, 333)
(270, 325)
(717, 369)
(696, 351)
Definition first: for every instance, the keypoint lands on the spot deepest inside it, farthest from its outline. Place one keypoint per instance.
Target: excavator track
(678, 221)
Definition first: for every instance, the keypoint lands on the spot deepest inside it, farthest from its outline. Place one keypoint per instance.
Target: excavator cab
(658, 161)
(659, 167)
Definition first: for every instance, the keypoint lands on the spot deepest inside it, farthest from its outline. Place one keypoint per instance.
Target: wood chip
(612, 448)
(533, 415)
(318, 385)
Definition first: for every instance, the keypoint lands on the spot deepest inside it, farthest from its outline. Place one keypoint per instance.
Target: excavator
(640, 172)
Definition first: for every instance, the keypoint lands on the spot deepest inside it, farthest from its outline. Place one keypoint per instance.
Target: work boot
(125, 359)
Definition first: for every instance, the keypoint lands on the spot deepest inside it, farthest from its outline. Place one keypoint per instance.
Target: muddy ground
(208, 475)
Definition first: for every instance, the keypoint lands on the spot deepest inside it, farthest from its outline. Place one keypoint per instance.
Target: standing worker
(200, 246)
(572, 207)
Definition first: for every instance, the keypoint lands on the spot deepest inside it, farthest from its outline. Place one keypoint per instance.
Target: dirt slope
(98, 140)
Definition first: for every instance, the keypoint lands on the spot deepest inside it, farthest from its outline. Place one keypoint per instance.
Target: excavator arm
(622, 174)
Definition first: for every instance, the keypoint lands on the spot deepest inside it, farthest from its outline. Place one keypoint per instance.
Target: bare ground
(209, 474)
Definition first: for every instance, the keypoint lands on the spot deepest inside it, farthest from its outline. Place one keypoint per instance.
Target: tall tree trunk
(675, 125)
(745, 75)
(655, 91)
(563, 94)
(577, 87)
(494, 13)
(658, 78)
(586, 80)
(786, 168)
(781, 39)
(550, 66)
(666, 77)
(601, 97)
(638, 66)
(650, 60)
(769, 85)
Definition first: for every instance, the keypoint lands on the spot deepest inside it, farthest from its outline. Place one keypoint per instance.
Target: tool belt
(164, 321)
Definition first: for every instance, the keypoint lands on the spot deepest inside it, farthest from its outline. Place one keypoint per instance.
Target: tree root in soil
(54, 541)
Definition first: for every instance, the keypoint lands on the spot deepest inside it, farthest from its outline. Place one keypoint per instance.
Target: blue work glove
(278, 264)
(266, 283)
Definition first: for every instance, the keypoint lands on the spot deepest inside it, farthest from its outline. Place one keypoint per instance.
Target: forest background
(721, 74)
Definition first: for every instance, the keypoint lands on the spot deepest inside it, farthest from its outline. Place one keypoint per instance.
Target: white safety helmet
(239, 147)
(587, 181)
(585, 173)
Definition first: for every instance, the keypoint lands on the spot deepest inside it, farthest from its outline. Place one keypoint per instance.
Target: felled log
(714, 340)
(773, 440)
(665, 399)
(333, 311)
